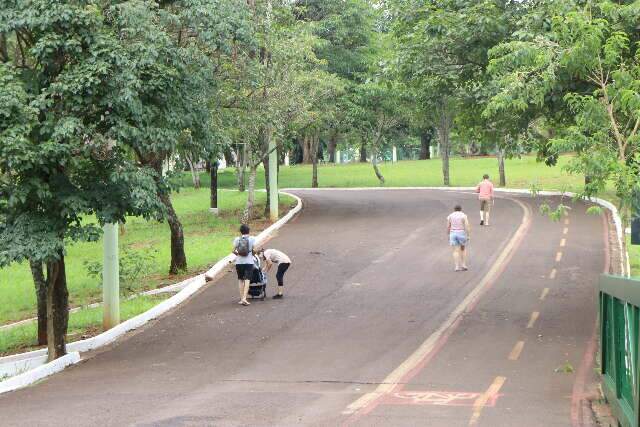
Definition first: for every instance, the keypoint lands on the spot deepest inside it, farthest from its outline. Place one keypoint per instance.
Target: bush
(133, 265)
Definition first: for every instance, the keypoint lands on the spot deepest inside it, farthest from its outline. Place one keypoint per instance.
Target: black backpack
(243, 247)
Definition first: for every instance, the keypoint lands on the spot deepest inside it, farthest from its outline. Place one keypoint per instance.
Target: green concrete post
(273, 180)
(110, 278)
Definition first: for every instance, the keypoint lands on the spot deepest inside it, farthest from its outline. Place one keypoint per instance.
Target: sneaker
(244, 303)
(481, 222)
(278, 296)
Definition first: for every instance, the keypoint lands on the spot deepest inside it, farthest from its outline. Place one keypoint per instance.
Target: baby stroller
(258, 282)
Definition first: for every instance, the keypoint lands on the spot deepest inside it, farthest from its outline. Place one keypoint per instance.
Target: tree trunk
(308, 153)
(425, 145)
(57, 308)
(195, 176)
(503, 177)
(213, 185)
(443, 135)
(4, 53)
(40, 283)
(363, 154)
(315, 140)
(178, 256)
(248, 210)
(374, 162)
(241, 165)
(314, 176)
(228, 157)
(331, 147)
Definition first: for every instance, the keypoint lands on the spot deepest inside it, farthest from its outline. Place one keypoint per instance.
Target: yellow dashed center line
(565, 230)
(566, 221)
(558, 256)
(517, 349)
(482, 400)
(532, 320)
(563, 243)
(545, 291)
(553, 273)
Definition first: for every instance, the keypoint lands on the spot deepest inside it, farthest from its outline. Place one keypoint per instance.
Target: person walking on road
(243, 249)
(459, 234)
(274, 256)
(485, 194)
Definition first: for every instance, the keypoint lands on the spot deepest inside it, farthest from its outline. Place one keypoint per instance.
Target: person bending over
(274, 256)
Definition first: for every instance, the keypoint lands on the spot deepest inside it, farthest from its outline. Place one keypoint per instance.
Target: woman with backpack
(243, 249)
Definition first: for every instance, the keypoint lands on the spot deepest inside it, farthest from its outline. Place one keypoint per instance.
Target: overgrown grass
(83, 323)
(521, 173)
(207, 239)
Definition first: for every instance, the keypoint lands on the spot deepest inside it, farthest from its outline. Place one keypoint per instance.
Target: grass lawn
(207, 239)
(82, 323)
(521, 173)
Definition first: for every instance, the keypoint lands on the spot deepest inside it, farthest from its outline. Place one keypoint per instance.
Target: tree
(443, 51)
(318, 114)
(173, 80)
(377, 111)
(59, 160)
(346, 30)
(594, 47)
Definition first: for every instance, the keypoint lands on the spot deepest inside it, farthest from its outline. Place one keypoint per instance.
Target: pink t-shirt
(485, 190)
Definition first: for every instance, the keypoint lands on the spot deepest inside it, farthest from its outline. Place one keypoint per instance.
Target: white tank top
(457, 220)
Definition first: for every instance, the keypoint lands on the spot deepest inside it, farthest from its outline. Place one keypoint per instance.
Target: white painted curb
(15, 364)
(39, 373)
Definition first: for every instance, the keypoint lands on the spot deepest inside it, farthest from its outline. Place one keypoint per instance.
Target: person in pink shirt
(459, 231)
(485, 194)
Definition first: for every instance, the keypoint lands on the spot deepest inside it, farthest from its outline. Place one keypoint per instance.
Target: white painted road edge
(39, 373)
(624, 261)
(16, 365)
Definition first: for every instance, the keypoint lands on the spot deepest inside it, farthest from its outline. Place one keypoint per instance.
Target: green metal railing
(619, 300)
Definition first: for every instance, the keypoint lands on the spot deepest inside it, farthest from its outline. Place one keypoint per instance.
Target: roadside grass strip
(82, 324)
(12, 365)
(207, 237)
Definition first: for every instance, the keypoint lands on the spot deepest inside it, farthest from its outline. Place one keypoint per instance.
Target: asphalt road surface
(375, 329)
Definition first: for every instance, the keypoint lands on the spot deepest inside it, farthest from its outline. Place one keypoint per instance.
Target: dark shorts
(244, 271)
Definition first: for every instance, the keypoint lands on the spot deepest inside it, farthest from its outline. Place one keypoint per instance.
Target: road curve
(371, 283)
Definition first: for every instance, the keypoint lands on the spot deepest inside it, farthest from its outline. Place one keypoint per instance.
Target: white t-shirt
(276, 256)
(244, 259)
(457, 221)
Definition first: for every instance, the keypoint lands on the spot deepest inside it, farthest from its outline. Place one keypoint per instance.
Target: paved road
(365, 335)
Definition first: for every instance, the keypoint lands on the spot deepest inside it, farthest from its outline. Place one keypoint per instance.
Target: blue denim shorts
(457, 238)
